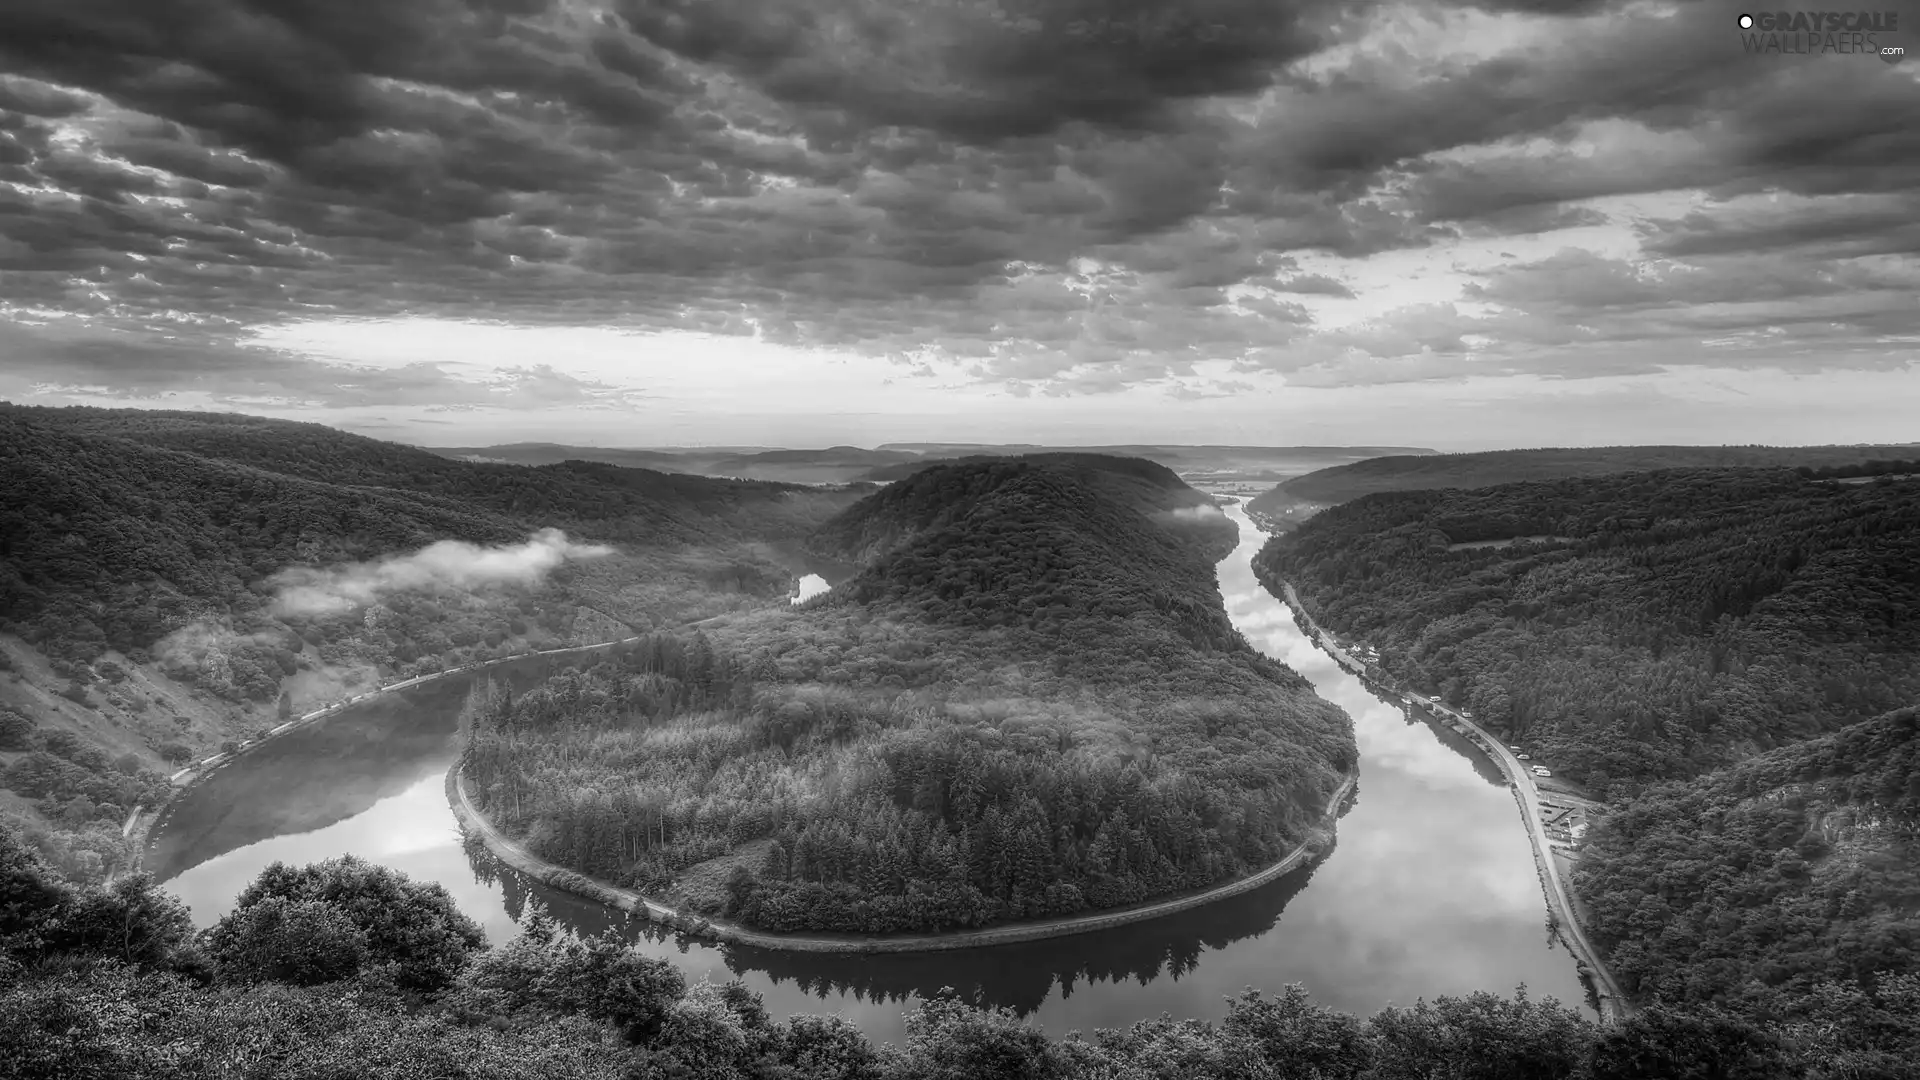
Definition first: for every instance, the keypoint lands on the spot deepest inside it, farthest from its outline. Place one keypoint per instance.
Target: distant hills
(833, 465)
(1300, 496)
(843, 464)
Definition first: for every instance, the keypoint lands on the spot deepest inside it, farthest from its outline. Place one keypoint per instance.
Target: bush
(413, 925)
(175, 753)
(1659, 1044)
(131, 921)
(303, 942)
(16, 731)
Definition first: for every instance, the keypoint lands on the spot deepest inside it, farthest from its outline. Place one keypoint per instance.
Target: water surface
(1430, 888)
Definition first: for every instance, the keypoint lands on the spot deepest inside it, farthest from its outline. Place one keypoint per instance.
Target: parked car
(1524, 757)
(1541, 770)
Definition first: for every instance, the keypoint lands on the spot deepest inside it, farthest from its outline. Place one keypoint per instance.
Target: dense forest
(1763, 879)
(1029, 702)
(1654, 635)
(141, 549)
(1343, 483)
(346, 970)
(1639, 627)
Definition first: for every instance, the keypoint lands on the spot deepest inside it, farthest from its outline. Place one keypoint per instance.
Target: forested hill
(1645, 626)
(1760, 880)
(120, 522)
(1660, 626)
(1062, 543)
(1029, 702)
(943, 492)
(611, 502)
(1342, 483)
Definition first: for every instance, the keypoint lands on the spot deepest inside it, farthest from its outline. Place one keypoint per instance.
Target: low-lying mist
(446, 564)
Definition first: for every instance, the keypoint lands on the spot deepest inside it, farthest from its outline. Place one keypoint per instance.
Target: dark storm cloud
(888, 175)
(983, 71)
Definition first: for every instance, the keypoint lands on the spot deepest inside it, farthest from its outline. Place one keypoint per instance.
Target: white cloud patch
(448, 564)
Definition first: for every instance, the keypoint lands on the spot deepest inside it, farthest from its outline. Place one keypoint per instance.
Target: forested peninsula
(1029, 702)
(1730, 656)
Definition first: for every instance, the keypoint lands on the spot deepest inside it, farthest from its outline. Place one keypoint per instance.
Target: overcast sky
(647, 222)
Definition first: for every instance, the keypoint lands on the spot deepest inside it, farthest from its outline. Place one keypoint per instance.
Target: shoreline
(511, 854)
(1612, 1004)
(139, 826)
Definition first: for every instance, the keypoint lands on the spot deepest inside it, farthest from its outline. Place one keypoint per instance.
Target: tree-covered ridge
(110, 541)
(1757, 881)
(608, 501)
(1029, 707)
(1342, 483)
(1662, 624)
(342, 969)
(1039, 547)
(947, 491)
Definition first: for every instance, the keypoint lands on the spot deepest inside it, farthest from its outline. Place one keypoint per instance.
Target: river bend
(1430, 888)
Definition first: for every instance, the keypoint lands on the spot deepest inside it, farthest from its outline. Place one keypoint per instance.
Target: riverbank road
(1527, 793)
(1559, 890)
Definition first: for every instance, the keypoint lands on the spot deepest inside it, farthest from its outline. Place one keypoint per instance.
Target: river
(1430, 888)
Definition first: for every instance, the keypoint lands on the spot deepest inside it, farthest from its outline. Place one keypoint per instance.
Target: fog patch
(811, 585)
(1209, 512)
(447, 564)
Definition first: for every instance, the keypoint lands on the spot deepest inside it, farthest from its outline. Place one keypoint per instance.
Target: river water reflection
(1429, 890)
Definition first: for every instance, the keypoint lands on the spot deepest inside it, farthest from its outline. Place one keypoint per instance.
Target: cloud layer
(1056, 196)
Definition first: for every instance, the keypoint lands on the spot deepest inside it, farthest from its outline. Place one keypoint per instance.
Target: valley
(1429, 887)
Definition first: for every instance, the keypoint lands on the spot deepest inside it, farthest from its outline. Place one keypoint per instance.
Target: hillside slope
(1064, 542)
(1749, 884)
(1343, 483)
(146, 561)
(1674, 627)
(1658, 624)
(929, 495)
(1028, 702)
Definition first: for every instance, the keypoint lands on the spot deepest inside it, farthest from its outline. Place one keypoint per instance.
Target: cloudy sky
(648, 222)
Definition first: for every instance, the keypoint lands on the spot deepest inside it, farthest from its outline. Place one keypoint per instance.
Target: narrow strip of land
(517, 857)
(1613, 1003)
